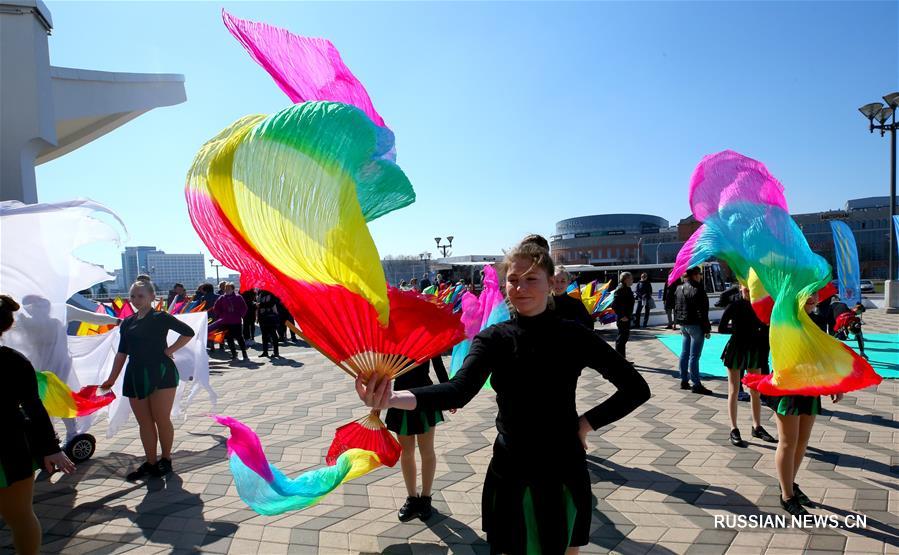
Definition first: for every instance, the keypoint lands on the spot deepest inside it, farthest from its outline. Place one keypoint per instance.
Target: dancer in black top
(151, 375)
(746, 350)
(417, 425)
(536, 494)
(24, 447)
(568, 308)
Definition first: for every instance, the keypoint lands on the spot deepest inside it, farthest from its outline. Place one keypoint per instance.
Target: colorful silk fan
(85, 328)
(592, 294)
(746, 223)
(268, 491)
(285, 200)
(479, 313)
(304, 68)
(61, 402)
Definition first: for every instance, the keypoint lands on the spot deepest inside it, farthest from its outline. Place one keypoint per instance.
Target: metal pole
(892, 260)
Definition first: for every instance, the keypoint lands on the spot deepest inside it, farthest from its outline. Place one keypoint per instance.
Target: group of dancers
(537, 493)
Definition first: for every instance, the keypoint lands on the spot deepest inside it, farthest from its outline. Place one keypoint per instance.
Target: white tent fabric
(39, 270)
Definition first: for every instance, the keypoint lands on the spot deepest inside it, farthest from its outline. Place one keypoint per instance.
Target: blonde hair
(146, 285)
(534, 251)
(561, 271)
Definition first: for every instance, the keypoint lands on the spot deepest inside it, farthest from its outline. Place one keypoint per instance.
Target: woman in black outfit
(151, 377)
(746, 350)
(27, 441)
(409, 425)
(537, 490)
(568, 308)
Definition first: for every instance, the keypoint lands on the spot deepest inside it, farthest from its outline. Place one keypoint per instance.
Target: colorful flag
(846, 254)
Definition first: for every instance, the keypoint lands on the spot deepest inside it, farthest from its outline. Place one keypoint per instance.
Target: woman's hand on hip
(583, 429)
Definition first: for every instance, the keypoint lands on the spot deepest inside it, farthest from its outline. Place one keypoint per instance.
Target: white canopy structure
(50, 111)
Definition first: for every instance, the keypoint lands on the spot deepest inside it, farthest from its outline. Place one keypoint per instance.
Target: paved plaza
(660, 475)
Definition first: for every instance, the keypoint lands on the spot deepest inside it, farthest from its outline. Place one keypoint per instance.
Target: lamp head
(883, 115)
(870, 110)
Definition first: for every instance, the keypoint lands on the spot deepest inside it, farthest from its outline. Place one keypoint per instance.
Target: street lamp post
(215, 265)
(425, 258)
(657, 252)
(444, 248)
(886, 122)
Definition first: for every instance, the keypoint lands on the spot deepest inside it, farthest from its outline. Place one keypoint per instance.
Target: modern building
(610, 239)
(168, 269)
(618, 239)
(869, 219)
(134, 263)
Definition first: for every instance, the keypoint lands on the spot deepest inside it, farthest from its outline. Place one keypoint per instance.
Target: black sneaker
(409, 510)
(793, 507)
(165, 466)
(763, 435)
(144, 471)
(264, 354)
(735, 438)
(802, 497)
(245, 357)
(424, 508)
(699, 388)
(684, 384)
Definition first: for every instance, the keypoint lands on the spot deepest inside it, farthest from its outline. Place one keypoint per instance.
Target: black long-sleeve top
(643, 290)
(535, 364)
(623, 302)
(19, 395)
(569, 308)
(418, 376)
(692, 305)
(740, 320)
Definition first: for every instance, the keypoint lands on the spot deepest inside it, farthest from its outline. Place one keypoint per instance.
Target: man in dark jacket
(644, 298)
(623, 305)
(691, 311)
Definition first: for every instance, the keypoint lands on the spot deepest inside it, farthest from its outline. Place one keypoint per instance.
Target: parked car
(866, 286)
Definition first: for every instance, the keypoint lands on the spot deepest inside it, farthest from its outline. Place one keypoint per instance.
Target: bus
(713, 278)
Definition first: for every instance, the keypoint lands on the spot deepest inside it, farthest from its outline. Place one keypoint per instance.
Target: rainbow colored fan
(285, 199)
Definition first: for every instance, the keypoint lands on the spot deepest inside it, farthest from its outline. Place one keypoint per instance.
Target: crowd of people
(548, 341)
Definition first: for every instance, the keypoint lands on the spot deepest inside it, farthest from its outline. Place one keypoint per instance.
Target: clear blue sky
(508, 116)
